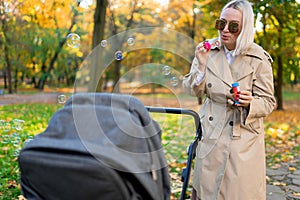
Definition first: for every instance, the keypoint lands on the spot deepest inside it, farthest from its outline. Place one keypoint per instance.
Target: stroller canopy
(98, 146)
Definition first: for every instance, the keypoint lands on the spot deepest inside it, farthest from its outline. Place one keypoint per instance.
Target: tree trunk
(33, 78)
(120, 43)
(116, 86)
(16, 80)
(51, 66)
(98, 35)
(5, 79)
(278, 88)
(279, 84)
(99, 22)
(8, 69)
(6, 51)
(41, 82)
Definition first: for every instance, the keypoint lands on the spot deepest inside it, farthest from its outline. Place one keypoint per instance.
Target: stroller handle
(180, 111)
(192, 148)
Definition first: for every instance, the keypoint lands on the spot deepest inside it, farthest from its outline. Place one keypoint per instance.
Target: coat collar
(239, 69)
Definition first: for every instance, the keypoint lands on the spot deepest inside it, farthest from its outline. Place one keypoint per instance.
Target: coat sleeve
(194, 81)
(263, 102)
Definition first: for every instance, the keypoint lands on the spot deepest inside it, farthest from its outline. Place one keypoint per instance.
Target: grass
(19, 123)
(289, 95)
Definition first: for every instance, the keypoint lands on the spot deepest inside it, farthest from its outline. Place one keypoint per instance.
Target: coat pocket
(208, 124)
(205, 147)
(255, 127)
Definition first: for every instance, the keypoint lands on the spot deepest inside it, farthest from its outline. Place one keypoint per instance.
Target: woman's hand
(244, 97)
(202, 54)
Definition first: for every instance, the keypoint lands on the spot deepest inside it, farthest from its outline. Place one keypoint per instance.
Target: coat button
(210, 118)
(231, 123)
(209, 85)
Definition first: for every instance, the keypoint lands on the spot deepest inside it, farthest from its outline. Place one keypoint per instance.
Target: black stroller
(191, 149)
(101, 146)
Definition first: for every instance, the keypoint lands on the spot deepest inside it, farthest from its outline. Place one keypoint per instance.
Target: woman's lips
(224, 37)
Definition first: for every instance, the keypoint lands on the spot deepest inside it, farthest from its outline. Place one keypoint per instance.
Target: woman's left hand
(245, 98)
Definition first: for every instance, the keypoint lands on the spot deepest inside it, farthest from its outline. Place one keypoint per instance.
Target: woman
(230, 158)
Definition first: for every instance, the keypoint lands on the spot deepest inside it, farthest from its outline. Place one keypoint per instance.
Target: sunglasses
(233, 27)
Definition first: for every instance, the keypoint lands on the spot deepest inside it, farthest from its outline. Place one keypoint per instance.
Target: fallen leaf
(21, 197)
(292, 168)
(277, 183)
(297, 194)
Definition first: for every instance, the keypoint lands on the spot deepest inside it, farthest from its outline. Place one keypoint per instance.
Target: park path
(28, 98)
(284, 182)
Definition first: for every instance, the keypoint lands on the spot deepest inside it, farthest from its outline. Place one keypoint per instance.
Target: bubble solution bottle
(236, 92)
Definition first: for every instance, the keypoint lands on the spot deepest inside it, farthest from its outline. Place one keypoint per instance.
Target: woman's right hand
(202, 55)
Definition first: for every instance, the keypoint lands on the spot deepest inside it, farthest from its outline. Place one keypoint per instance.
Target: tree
(99, 22)
(98, 36)
(7, 15)
(62, 41)
(138, 16)
(120, 41)
(39, 29)
(45, 55)
(279, 20)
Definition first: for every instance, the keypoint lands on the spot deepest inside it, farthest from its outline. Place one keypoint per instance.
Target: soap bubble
(29, 139)
(5, 126)
(142, 74)
(118, 55)
(103, 43)
(15, 139)
(5, 139)
(16, 152)
(2, 124)
(174, 81)
(130, 41)
(62, 99)
(18, 124)
(73, 40)
(166, 70)
(16, 142)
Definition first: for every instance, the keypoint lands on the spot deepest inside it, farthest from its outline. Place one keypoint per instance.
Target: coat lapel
(241, 68)
(219, 66)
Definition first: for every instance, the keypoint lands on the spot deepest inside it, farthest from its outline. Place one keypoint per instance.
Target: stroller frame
(193, 145)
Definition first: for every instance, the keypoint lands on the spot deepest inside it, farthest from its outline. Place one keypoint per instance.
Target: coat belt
(236, 118)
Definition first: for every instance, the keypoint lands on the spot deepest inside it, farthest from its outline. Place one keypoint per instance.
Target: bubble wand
(208, 45)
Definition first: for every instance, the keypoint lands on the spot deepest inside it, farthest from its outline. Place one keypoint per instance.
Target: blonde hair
(246, 36)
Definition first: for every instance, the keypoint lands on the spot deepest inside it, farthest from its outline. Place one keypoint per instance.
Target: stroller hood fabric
(92, 136)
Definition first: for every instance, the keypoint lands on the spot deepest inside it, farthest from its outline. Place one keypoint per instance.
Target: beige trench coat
(230, 158)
